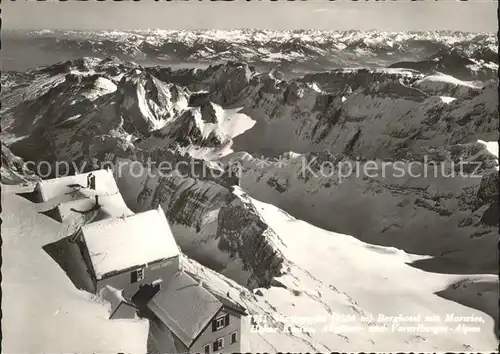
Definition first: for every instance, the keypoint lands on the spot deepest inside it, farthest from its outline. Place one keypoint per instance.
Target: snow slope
(333, 280)
(42, 310)
(383, 289)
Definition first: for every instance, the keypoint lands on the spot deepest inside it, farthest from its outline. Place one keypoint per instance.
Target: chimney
(91, 181)
(97, 200)
(200, 283)
(157, 281)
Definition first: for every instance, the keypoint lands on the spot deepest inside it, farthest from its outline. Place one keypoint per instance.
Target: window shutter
(133, 277)
(140, 274)
(227, 320)
(214, 326)
(216, 347)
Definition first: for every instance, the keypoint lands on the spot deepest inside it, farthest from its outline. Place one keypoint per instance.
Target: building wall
(91, 283)
(161, 270)
(77, 268)
(161, 340)
(123, 311)
(38, 194)
(69, 256)
(209, 337)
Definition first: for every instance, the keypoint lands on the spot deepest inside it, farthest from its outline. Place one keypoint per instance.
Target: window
(220, 322)
(137, 275)
(218, 344)
(234, 337)
(207, 348)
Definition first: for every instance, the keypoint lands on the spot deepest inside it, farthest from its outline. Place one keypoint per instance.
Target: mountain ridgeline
(455, 53)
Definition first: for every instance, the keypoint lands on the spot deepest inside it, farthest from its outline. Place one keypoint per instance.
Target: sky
(473, 15)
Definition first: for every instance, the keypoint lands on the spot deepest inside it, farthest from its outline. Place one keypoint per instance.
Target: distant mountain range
(302, 50)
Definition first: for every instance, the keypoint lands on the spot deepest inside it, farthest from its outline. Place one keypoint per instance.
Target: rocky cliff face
(458, 62)
(14, 170)
(243, 232)
(93, 108)
(381, 118)
(147, 104)
(387, 113)
(420, 208)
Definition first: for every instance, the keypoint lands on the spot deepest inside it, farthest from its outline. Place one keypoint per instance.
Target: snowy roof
(104, 179)
(121, 243)
(185, 307)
